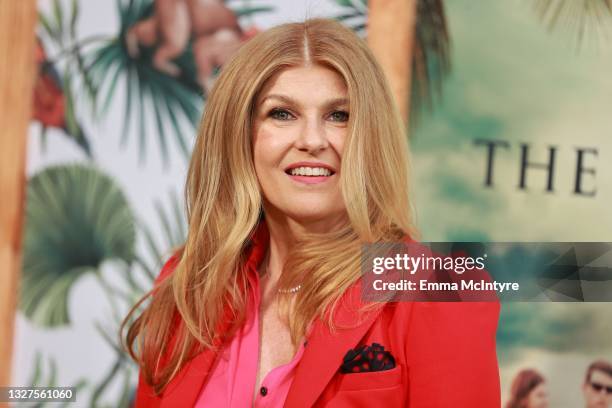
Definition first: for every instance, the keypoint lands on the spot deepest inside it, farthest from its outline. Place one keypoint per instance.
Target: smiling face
(299, 130)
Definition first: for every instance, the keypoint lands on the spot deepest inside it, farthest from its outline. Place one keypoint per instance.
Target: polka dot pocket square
(367, 358)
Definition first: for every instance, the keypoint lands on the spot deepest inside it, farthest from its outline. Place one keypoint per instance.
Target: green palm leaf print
(76, 218)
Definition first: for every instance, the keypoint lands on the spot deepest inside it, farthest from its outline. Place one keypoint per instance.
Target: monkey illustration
(213, 26)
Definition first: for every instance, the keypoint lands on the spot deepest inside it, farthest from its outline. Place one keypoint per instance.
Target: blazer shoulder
(434, 322)
(451, 354)
(406, 309)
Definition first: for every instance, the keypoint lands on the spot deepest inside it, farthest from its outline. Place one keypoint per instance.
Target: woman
(301, 158)
(528, 390)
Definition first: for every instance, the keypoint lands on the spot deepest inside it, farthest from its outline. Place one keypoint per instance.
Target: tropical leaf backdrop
(584, 19)
(112, 135)
(77, 218)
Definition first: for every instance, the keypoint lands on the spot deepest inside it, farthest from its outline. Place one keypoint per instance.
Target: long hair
(522, 385)
(224, 200)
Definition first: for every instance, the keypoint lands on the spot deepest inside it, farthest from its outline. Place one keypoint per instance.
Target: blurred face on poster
(538, 397)
(299, 131)
(598, 390)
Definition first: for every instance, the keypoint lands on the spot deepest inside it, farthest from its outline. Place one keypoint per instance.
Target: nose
(312, 137)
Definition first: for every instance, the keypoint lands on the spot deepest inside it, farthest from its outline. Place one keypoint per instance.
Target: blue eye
(339, 116)
(280, 114)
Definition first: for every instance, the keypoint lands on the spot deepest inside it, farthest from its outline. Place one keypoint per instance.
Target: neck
(284, 233)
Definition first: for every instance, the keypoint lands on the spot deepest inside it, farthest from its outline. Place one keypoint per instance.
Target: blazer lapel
(184, 389)
(325, 351)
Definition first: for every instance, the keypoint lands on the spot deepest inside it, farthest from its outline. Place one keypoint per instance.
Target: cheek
(269, 147)
(337, 138)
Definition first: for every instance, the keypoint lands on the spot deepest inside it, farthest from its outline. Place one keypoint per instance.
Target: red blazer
(444, 355)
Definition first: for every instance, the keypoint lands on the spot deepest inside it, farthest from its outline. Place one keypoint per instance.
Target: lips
(310, 173)
(309, 164)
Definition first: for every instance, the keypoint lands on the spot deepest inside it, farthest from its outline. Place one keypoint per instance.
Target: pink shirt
(232, 381)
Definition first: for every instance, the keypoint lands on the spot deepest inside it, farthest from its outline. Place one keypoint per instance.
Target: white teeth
(310, 171)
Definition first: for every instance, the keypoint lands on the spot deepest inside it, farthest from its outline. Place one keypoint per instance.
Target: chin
(308, 214)
(312, 213)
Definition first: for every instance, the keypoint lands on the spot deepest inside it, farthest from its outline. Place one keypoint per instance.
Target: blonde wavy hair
(224, 201)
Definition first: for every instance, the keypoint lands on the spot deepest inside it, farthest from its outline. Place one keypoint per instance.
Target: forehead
(601, 378)
(307, 83)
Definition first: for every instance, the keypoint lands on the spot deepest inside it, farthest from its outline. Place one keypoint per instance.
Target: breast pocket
(375, 389)
(370, 380)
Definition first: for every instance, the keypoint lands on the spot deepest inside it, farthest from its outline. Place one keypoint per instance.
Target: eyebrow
(291, 101)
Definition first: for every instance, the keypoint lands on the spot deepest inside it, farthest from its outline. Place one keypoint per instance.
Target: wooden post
(390, 32)
(17, 23)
